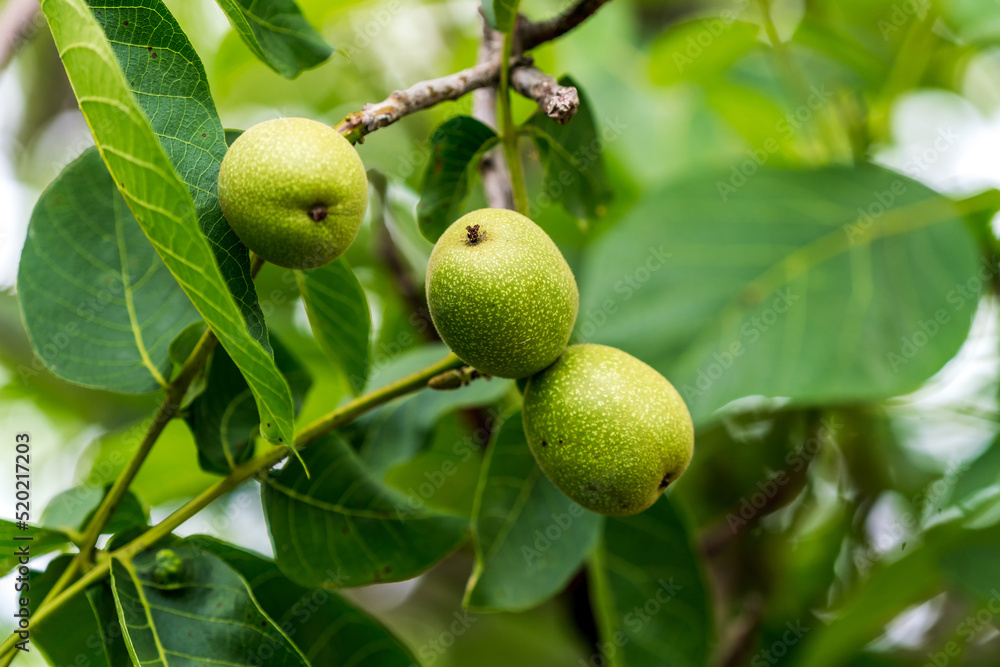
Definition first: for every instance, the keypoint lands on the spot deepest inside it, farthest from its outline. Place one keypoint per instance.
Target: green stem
(167, 411)
(260, 463)
(509, 131)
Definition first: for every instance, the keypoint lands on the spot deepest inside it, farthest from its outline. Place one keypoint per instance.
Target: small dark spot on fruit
(591, 487)
(472, 234)
(560, 441)
(624, 506)
(318, 213)
(665, 482)
(595, 456)
(544, 443)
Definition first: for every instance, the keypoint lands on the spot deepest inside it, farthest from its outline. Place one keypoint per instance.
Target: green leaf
(224, 419)
(74, 508)
(328, 629)
(182, 606)
(574, 168)
(649, 592)
(791, 285)
(168, 82)
(42, 541)
(99, 306)
(974, 21)
(456, 148)
(530, 539)
(278, 34)
(701, 51)
(84, 630)
(342, 527)
(501, 14)
(145, 176)
(340, 319)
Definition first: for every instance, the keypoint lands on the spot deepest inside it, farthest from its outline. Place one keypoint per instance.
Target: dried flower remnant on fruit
(472, 234)
(318, 213)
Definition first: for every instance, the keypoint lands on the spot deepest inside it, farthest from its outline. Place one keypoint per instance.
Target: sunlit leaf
(145, 174)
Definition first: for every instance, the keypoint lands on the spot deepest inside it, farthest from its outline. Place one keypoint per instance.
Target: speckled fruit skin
(281, 175)
(608, 430)
(506, 302)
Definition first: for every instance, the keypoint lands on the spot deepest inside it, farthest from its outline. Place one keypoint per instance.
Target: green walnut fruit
(294, 190)
(501, 294)
(608, 430)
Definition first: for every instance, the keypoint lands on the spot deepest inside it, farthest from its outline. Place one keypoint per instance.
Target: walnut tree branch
(492, 169)
(418, 97)
(557, 102)
(532, 34)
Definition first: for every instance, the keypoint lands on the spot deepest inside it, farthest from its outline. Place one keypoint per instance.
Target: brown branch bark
(493, 168)
(533, 34)
(557, 102)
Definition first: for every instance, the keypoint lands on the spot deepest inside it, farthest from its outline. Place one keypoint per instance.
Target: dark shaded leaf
(530, 539)
(341, 526)
(456, 148)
